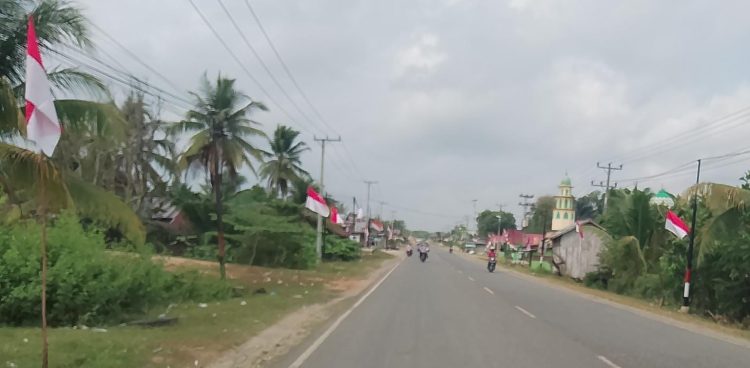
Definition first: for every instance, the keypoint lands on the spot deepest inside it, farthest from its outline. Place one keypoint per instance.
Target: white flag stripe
(317, 207)
(674, 229)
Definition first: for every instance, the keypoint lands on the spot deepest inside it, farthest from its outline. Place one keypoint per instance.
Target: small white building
(575, 249)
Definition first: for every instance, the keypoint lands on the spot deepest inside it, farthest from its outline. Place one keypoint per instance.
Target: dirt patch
(278, 339)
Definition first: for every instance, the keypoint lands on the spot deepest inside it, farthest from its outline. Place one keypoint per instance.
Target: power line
(297, 86)
(239, 62)
(124, 82)
(262, 63)
(285, 67)
(136, 58)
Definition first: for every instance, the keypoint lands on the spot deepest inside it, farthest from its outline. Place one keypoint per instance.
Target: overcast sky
(446, 101)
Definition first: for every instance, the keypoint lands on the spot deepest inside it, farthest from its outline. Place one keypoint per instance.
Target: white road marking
(319, 341)
(489, 291)
(524, 311)
(471, 278)
(607, 361)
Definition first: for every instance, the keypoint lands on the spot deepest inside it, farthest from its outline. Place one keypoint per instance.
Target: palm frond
(11, 120)
(74, 79)
(105, 208)
(103, 119)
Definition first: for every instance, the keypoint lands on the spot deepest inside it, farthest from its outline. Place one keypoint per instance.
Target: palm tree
(58, 24)
(221, 130)
(284, 165)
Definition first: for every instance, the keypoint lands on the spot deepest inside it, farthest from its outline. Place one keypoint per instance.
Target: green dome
(566, 182)
(663, 194)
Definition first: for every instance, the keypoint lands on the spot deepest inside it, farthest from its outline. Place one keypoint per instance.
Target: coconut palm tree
(221, 129)
(58, 25)
(283, 165)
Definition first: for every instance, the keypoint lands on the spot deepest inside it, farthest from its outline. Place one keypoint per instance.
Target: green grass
(201, 333)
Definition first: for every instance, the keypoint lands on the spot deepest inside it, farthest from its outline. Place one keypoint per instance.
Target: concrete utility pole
(609, 168)
(526, 205)
(380, 211)
(369, 184)
(474, 203)
(319, 239)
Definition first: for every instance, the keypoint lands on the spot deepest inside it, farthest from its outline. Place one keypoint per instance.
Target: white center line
(524, 311)
(489, 291)
(607, 361)
(471, 278)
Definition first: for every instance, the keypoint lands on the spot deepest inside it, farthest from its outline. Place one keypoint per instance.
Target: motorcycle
(422, 256)
(491, 264)
(450, 250)
(409, 252)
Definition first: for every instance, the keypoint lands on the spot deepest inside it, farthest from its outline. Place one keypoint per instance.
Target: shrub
(85, 283)
(340, 249)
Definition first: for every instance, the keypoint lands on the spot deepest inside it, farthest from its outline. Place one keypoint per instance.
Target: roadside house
(576, 252)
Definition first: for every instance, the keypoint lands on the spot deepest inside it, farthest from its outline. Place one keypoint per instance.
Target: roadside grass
(669, 311)
(201, 334)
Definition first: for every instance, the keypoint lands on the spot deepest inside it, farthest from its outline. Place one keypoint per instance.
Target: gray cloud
(448, 101)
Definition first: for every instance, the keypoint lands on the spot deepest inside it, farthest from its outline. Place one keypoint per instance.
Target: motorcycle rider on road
(408, 249)
(423, 249)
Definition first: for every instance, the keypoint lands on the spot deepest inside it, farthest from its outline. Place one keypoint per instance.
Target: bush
(598, 279)
(85, 283)
(340, 249)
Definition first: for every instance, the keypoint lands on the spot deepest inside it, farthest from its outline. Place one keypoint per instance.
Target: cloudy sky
(446, 101)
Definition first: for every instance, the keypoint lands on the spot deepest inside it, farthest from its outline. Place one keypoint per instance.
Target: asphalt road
(450, 312)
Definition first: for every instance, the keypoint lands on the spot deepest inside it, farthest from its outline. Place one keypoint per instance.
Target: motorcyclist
(424, 248)
(491, 253)
(408, 249)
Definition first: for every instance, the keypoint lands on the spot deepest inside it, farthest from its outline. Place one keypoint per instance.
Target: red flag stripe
(31, 44)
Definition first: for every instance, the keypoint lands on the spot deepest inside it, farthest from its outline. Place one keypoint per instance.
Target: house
(519, 239)
(576, 248)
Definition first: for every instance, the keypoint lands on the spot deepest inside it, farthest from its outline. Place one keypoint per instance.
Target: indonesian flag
(376, 225)
(42, 125)
(335, 217)
(316, 203)
(675, 225)
(579, 229)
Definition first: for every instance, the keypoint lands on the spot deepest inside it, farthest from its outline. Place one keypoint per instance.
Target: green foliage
(590, 206)
(86, 284)
(284, 164)
(487, 222)
(340, 249)
(542, 213)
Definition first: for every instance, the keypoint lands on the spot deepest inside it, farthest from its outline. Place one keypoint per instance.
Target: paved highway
(450, 312)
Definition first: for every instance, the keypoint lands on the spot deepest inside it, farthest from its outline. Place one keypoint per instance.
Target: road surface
(450, 312)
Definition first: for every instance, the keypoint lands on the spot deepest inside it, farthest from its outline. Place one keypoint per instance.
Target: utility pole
(369, 184)
(689, 269)
(319, 239)
(380, 211)
(474, 203)
(609, 168)
(526, 205)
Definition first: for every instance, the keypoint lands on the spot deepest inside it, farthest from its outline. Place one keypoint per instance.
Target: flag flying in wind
(335, 217)
(675, 225)
(316, 203)
(42, 125)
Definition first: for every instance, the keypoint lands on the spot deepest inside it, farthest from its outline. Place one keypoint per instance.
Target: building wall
(577, 257)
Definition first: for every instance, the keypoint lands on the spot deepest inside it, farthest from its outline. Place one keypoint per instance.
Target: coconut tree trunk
(216, 173)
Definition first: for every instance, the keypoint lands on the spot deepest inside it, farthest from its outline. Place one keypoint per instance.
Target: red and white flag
(316, 203)
(675, 225)
(42, 125)
(579, 229)
(376, 225)
(335, 217)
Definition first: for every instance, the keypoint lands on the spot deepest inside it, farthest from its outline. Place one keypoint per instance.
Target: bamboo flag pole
(42, 208)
